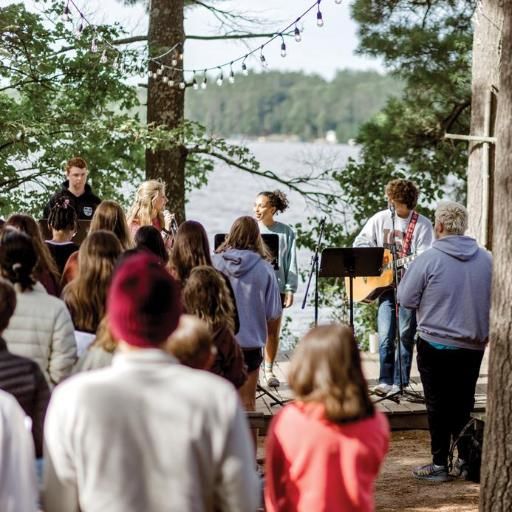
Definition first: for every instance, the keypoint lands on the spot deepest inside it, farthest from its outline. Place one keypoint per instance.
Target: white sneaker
(395, 388)
(382, 389)
(270, 377)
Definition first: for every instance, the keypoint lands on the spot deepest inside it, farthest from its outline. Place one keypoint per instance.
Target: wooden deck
(403, 414)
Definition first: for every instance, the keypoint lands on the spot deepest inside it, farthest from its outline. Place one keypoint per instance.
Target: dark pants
(449, 380)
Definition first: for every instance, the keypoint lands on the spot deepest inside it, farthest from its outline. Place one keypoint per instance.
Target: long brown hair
(86, 295)
(111, 217)
(326, 368)
(206, 296)
(245, 234)
(29, 226)
(190, 249)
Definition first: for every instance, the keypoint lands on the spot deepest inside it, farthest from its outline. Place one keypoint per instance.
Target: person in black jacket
(80, 194)
(20, 376)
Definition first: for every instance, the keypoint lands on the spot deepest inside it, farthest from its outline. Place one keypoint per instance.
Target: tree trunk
(166, 104)
(496, 484)
(485, 79)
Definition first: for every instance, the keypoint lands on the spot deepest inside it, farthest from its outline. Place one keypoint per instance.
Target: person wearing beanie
(147, 433)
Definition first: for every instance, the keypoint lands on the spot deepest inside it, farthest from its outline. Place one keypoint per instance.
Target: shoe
(394, 389)
(431, 473)
(272, 380)
(382, 389)
(459, 469)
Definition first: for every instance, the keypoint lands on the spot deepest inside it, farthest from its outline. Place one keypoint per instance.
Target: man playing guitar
(413, 234)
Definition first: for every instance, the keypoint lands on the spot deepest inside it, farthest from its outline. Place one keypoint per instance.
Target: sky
(322, 50)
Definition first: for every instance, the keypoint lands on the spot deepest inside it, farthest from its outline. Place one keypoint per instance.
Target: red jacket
(315, 465)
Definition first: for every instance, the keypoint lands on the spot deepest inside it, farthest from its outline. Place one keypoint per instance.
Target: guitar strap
(406, 244)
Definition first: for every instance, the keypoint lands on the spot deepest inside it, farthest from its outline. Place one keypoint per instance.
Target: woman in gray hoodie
(243, 258)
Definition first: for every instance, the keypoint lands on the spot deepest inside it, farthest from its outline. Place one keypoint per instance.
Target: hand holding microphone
(170, 222)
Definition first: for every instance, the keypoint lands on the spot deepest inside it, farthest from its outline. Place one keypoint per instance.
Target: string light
(177, 49)
(319, 19)
(297, 35)
(283, 47)
(220, 77)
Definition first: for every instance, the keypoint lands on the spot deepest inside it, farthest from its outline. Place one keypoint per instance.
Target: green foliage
(292, 103)
(428, 45)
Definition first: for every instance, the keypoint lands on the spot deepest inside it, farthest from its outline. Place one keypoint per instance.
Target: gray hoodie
(450, 287)
(256, 291)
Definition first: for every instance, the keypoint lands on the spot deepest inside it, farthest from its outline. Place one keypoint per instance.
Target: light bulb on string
(262, 58)
(220, 78)
(195, 85)
(182, 85)
(94, 45)
(165, 79)
(170, 83)
(160, 70)
(80, 28)
(115, 64)
(245, 71)
(104, 58)
(204, 83)
(319, 18)
(231, 74)
(297, 35)
(174, 63)
(283, 47)
(66, 14)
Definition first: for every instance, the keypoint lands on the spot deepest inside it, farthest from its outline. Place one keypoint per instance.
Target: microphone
(170, 221)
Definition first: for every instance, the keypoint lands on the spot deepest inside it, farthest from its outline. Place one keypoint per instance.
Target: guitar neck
(400, 262)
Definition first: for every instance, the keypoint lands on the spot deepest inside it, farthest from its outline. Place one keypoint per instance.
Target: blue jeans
(386, 324)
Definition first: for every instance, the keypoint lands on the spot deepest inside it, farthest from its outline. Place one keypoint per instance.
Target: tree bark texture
(496, 478)
(485, 80)
(166, 104)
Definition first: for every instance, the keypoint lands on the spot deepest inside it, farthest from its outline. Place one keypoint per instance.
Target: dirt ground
(397, 490)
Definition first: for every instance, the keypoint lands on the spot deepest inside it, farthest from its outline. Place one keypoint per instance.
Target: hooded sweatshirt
(449, 285)
(256, 291)
(84, 204)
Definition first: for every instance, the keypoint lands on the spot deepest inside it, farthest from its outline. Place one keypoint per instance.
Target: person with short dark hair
(413, 235)
(324, 450)
(20, 376)
(147, 433)
(76, 188)
(266, 206)
(449, 287)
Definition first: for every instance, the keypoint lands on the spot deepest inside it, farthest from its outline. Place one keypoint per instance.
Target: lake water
(230, 193)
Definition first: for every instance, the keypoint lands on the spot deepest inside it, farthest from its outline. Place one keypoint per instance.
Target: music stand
(351, 262)
(271, 240)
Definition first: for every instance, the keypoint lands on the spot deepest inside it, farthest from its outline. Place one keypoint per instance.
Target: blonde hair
(191, 343)
(110, 216)
(326, 369)
(453, 216)
(245, 234)
(142, 209)
(104, 337)
(86, 295)
(206, 296)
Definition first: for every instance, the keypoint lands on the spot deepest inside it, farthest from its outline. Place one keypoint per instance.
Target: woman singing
(148, 210)
(266, 206)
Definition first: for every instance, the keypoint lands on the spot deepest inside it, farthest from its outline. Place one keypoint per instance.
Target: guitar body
(368, 289)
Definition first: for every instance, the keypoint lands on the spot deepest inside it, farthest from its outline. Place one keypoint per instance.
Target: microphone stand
(314, 268)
